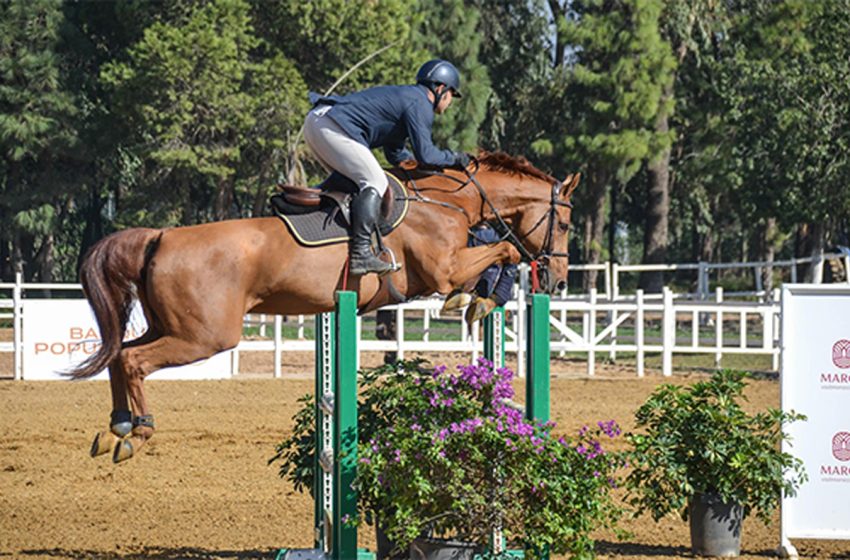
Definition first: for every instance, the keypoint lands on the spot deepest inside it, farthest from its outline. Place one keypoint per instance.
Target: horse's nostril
(561, 286)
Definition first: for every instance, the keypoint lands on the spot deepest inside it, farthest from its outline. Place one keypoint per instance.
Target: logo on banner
(841, 446)
(840, 359)
(841, 354)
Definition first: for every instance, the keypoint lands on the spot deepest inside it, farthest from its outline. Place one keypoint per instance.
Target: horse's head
(537, 210)
(544, 229)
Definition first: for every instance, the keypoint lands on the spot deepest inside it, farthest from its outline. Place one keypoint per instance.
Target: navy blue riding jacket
(386, 116)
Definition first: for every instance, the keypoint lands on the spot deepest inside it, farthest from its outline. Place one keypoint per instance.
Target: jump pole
(335, 501)
(537, 384)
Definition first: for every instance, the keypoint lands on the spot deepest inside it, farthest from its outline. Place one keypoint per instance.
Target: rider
(341, 130)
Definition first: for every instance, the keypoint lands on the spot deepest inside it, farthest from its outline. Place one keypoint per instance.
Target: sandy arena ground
(202, 489)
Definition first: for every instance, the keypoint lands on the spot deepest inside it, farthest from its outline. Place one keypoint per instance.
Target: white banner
(58, 334)
(816, 382)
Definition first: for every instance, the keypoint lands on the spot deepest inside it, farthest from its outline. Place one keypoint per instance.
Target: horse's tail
(112, 272)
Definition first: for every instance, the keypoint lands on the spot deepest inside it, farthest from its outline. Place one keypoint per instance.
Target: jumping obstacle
(335, 501)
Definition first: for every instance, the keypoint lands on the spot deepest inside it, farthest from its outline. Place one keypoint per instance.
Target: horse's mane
(504, 162)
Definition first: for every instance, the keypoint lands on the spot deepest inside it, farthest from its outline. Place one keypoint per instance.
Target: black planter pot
(439, 549)
(715, 526)
(386, 549)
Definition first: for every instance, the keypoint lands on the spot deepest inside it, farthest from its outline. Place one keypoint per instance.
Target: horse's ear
(569, 185)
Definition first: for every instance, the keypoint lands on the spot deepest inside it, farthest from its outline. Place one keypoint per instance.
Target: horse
(196, 283)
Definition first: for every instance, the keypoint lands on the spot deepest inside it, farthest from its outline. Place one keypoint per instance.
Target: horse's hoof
(123, 451)
(480, 309)
(102, 443)
(456, 300)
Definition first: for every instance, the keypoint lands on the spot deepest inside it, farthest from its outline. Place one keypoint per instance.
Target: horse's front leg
(470, 262)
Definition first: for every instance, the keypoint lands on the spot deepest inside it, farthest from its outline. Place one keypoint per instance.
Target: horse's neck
(507, 194)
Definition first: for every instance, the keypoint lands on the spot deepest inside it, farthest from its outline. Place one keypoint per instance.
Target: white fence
(588, 325)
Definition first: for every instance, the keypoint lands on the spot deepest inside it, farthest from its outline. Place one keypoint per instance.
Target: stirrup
(393, 263)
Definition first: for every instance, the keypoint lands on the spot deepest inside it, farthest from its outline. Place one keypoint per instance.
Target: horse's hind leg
(140, 361)
(121, 419)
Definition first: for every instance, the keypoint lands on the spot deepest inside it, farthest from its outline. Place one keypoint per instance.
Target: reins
(508, 233)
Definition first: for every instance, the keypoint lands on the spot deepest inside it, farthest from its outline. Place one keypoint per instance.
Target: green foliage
(442, 454)
(450, 30)
(623, 66)
(326, 37)
(698, 439)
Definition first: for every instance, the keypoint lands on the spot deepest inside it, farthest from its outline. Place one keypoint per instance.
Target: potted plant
(444, 460)
(703, 456)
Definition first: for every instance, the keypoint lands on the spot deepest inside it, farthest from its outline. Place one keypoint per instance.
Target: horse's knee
(510, 254)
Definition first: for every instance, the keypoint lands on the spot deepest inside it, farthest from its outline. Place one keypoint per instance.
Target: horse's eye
(563, 227)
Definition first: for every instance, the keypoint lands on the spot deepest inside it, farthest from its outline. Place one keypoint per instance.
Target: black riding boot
(365, 211)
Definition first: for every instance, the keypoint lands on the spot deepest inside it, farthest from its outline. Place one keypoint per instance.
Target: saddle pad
(326, 226)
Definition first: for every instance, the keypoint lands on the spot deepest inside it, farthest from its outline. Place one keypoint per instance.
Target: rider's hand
(461, 160)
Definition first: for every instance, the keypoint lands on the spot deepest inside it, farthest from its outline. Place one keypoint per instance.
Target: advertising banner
(58, 334)
(815, 381)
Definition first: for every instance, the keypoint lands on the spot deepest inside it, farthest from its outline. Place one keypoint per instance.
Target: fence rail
(583, 324)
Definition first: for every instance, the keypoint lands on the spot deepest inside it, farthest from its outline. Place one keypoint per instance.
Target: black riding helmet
(436, 72)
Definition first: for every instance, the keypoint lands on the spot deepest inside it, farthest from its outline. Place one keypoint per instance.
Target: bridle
(546, 252)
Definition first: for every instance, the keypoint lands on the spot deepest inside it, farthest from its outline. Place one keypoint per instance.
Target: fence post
(278, 323)
(612, 316)
(537, 386)
(718, 327)
(590, 334)
(668, 334)
(345, 429)
(521, 311)
(399, 331)
(774, 318)
(639, 333)
(609, 285)
(17, 327)
(817, 269)
(494, 337)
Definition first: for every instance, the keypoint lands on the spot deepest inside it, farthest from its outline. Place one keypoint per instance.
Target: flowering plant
(446, 454)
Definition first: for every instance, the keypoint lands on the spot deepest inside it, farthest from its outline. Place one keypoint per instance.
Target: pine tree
(450, 30)
(621, 69)
(36, 127)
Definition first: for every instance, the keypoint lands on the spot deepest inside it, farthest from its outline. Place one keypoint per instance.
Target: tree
(183, 87)
(791, 115)
(450, 30)
(36, 127)
(621, 70)
(516, 51)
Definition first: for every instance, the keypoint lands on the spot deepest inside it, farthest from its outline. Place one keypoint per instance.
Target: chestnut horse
(196, 283)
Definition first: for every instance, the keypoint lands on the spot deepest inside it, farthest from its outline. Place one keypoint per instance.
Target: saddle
(322, 215)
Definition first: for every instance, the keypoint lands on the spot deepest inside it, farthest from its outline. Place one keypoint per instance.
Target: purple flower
(415, 427)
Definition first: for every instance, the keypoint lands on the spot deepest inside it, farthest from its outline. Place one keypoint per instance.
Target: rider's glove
(461, 160)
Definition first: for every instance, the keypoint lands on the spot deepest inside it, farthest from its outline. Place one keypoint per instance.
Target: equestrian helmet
(439, 71)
